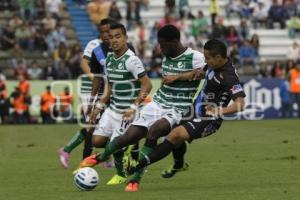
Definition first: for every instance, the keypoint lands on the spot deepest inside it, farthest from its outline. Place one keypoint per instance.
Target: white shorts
(111, 124)
(153, 112)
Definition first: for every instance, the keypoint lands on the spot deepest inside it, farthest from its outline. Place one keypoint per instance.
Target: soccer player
(93, 62)
(170, 102)
(127, 87)
(222, 85)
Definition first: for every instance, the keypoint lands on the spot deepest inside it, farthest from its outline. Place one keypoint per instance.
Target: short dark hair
(216, 47)
(118, 26)
(169, 33)
(106, 21)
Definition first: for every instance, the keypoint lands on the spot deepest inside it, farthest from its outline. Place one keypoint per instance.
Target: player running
(222, 85)
(127, 87)
(170, 102)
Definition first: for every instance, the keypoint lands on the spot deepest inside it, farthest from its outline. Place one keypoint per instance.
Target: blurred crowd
(36, 27)
(15, 107)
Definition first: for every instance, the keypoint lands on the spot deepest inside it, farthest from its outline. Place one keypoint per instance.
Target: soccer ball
(86, 179)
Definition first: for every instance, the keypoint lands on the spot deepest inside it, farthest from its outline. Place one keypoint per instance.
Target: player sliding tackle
(222, 85)
(170, 103)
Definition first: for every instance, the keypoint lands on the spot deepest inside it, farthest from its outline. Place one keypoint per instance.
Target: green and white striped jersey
(86, 82)
(179, 94)
(123, 74)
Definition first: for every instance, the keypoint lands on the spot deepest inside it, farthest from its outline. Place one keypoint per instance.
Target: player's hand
(128, 114)
(93, 115)
(89, 109)
(169, 79)
(213, 111)
(199, 74)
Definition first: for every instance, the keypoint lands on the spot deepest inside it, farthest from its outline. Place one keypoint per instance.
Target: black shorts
(196, 129)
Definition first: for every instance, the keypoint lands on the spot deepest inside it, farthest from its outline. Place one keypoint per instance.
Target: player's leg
(136, 131)
(179, 163)
(88, 145)
(160, 128)
(186, 132)
(64, 152)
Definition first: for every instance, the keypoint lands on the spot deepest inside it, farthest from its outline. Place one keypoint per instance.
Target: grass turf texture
(245, 160)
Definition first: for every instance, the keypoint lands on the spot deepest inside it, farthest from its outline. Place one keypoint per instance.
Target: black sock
(135, 152)
(158, 153)
(88, 146)
(178, 155)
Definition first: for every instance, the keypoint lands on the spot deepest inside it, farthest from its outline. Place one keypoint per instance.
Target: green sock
(119, 163)
(138, 175)
(75, 141)
(109, 150)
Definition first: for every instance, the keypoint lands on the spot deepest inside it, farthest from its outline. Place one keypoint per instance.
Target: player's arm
(196, 74)
(98, 81)
(84, 65)
(101, 103)
(135, 66)
(238, 105)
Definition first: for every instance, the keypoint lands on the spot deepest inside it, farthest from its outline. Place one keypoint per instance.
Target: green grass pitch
(245, 160)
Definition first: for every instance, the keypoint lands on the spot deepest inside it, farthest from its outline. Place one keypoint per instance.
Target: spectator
(141, 35)
(8, 38)
(132, 12)
(21, 69)
(293, 52)
(232, 36)
(26, 9)
(234, 6)
(156, 61)
(219, 30)
(184, 9)
(66, 104)
(247, 54)
(49, 22)
(54, 8)
(168, 19)
(74, 61)
(255, 43)
(61, 54)
(277, 13)
(114, 12)
(98, 10)
(243, 30)
(48, 108)
(260, 15)
(293, 25)
(40, 8)
(17, 55)
(63, 73)
(200, 27)
(284, 89)
(295, 87)
(170, 7)
(20, 104)
(233, 52)
(22, 36)
(24, 85)
(15, 21)
(276, 70)
(8, 5)
(4, 102)
(34, 72)
(49, 72)
(153, 32)
(214, 10)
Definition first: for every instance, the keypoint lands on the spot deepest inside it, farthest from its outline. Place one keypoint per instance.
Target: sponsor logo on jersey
(236, 89)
